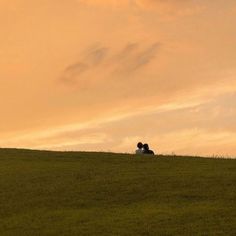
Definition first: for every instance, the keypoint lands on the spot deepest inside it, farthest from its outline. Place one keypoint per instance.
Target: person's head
(140, 145)
(145, 146)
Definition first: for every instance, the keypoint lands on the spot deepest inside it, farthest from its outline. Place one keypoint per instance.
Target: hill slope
(73, 193)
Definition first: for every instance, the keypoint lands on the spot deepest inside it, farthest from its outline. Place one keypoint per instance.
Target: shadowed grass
(78, 193)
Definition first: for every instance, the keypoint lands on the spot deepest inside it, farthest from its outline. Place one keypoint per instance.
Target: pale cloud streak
(168, 9)
(192, 124)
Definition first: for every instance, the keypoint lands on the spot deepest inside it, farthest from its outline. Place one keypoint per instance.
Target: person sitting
(140, 148)
(146, 149)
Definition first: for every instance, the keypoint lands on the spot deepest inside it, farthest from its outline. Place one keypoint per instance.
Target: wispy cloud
(95, 56)
(108, 62)
(131, 58)
(198, 126)
(172, 8)
(72, 72)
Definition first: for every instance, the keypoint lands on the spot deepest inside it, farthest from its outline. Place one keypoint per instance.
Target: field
(76, 193)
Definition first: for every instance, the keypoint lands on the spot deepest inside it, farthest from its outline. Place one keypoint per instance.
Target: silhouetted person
(140, 148)
(146, 149)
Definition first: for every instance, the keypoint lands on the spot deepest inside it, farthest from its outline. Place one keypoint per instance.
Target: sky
(102, 75)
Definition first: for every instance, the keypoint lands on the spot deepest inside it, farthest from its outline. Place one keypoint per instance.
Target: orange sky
(104, 74)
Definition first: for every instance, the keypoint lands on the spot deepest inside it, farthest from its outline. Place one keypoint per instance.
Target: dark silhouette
(146, 149)
(140, 148)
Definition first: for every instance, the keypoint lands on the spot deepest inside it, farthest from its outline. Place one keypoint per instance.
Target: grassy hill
(75, 193)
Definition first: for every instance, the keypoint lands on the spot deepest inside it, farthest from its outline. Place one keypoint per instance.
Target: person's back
(146, 149)
(149, 152)
(140, 148)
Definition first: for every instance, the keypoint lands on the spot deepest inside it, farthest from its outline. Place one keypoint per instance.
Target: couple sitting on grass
(143, 149)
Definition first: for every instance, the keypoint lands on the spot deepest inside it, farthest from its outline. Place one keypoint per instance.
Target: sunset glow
(102, 75)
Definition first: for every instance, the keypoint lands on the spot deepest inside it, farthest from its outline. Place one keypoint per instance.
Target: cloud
(141, 3)
(114, 3)
(166, 7)
(133, 58)
(72, 72)
(95, 56)
(146, 56)
(109, 63)
(197, 127)
(128, 50)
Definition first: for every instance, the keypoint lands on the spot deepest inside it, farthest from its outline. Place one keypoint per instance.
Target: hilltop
(81, 193)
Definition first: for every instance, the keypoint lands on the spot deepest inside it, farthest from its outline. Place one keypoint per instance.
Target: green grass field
(76, 193)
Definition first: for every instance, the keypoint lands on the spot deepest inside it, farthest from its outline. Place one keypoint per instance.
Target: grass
(76, 193)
